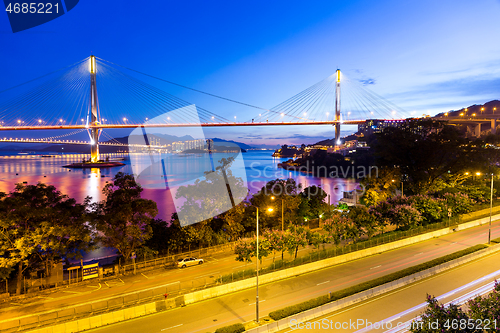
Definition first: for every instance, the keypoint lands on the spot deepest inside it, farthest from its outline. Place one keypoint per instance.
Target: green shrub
(496, 240)
(294, 309)
(236, 328)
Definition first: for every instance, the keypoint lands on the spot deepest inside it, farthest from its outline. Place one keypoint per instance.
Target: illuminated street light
(257, 281)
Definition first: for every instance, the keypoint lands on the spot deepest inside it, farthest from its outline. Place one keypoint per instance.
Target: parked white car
(183, 263)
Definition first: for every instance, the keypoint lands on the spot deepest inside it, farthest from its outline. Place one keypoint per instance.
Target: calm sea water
(259, 165)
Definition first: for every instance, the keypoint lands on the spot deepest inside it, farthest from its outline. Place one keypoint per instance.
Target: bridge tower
(337, 109)
(94, 113)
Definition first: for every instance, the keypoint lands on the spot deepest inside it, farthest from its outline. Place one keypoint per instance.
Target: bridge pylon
(337, 109)
(94, 114)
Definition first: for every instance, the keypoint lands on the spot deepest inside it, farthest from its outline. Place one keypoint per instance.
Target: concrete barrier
(359, 297)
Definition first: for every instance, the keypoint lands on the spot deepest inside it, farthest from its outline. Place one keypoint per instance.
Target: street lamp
(491, 208)
(257, 283)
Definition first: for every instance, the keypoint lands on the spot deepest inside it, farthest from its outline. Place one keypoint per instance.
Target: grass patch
(297, 308)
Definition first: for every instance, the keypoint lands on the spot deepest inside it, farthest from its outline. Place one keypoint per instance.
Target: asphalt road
(395, 310)
(206, 316)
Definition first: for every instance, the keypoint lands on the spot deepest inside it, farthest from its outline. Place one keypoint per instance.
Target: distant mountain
(165, 139)
(240, 144)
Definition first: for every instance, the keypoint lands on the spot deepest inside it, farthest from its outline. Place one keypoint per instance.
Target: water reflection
(260, 168)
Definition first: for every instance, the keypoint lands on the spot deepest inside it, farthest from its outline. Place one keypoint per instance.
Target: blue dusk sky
(424, 56)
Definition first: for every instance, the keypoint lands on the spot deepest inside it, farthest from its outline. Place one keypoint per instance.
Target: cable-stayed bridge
(94, 95)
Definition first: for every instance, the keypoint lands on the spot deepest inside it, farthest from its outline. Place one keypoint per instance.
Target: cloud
(470, 89)
(366, 82)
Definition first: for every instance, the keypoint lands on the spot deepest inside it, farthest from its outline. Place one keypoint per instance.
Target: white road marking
(172, 283)
(322, 283)
(145, 276)
(376, 267)
(418, 254)
(259, 302)
(172, 327)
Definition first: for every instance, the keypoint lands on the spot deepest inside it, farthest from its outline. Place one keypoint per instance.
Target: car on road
(185, 262)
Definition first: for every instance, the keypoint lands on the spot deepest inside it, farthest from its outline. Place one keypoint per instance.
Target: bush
(294, 309)
(236, 328)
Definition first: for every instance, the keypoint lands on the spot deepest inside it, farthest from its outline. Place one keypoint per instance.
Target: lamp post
(257, 284)
(257, 281)
(491, 208)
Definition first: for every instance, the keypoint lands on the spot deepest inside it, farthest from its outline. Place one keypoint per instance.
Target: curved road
(240, 307)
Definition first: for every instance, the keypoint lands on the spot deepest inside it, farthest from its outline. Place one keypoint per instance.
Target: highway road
(394, 311)
(240, 307)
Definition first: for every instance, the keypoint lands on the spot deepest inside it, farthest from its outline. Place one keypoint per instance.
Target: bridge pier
(493, 126)
(477, 130)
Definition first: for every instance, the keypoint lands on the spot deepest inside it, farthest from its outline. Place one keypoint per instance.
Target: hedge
(307, 305)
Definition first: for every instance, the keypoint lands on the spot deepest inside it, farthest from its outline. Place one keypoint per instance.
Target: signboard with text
(90, 271)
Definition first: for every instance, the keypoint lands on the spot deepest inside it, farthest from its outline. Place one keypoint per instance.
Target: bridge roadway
(240, 307)
(228, 124)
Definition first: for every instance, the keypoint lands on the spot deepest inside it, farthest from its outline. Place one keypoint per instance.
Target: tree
(37, 225)
(334, 228)
(487, 307)
(278, 241)
(274, 194)
(480, 311)
(405, 216)
(364, 221)
(437, 318)
(209, 197)
(427, 150)
(458, 202)
(380, 188)
(233, 222)
(124, 218)
(298, 238)
(314, 196)
(244, 251)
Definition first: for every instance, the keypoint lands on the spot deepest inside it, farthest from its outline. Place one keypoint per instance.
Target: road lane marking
(376, 267)
(172, 283)
(145, 276)
(69, 291)
(322, 283)
(171, 327)
(418, 254)
(255, 302)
